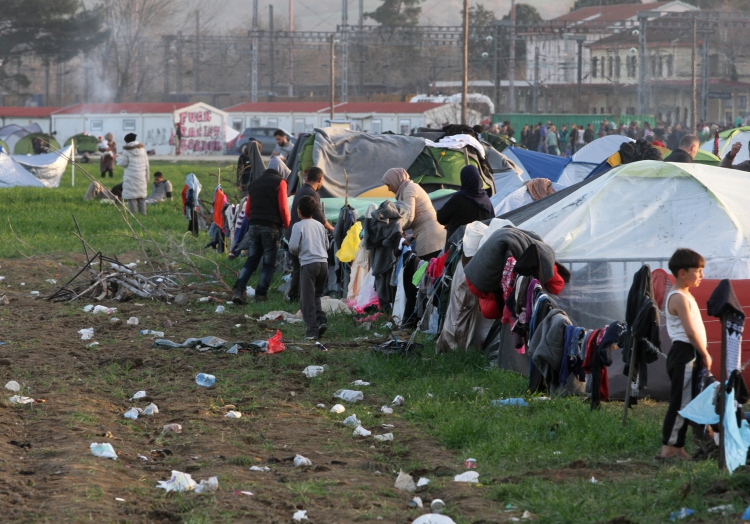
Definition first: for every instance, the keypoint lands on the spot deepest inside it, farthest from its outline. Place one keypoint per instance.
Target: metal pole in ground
(465, 77)
(512, 59)
(694, 78)
(722, 393)
(254, 71)
(333, 76)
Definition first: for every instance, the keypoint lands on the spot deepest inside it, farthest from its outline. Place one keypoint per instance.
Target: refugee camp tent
(12, 174)
(726, 139)
(637, 214)
(518, 198)
(363, 158)
(12, 133)
(25, 146)
(84, 143)
(48, 167)
(589, 156)
(537, 165)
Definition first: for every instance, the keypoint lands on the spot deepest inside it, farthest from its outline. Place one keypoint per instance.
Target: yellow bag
(350, 246)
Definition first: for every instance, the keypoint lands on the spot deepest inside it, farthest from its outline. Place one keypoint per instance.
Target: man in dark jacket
(314, 181)
(728, 160)
(588, 135)
(685, 154)
(673, 139)
(267, 213)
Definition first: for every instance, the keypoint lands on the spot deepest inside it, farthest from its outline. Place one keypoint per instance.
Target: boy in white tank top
(688, 354)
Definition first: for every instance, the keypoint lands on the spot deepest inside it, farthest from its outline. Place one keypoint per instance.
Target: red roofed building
(24, 116)
(374, 117)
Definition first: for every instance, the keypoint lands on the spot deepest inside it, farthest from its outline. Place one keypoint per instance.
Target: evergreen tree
(397, 12)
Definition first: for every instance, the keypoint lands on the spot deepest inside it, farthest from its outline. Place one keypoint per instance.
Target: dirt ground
(49, 474)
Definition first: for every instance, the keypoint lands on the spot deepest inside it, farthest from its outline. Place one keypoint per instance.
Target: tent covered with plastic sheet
(518, 198)
(636, 214)
(49, 167)
(12, 174)
(589, 157)
(726, 139)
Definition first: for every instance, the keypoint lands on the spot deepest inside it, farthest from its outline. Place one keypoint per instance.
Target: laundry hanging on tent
(191, 203)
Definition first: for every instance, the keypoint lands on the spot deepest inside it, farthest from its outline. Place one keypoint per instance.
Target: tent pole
(722, 392)
(628, 388)
(73, 164)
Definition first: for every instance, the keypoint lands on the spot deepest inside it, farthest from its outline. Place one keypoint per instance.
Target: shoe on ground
(321, 330)
(239, 297)
(260, 298)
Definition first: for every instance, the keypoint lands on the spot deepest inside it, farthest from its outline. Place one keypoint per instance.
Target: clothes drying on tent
(48, 168)
(726, 139)
(191, 203)
(12, 174)
(526, 195)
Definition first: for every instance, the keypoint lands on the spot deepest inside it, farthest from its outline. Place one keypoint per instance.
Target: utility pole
(642, 67)
(333, 76)
(495, 70)
(465, 78)
(178, 73)
(166, 40)
(579, 78)
(361, 48)
(197, 56)
(254, 72)
(704, 78)
(536, 81)
(512, 60)
(46, 82)
(344, 51)
(272, 59)
(290, 92)
(694, 92)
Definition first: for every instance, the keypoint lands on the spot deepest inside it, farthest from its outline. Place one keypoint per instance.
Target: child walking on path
(309, 242)
(688, 354)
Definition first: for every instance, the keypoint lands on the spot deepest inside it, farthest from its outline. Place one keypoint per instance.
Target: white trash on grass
(151, 409)
(338, 408)
(349, 395)
(138, 394)
(132, 321)
(171, 428)
(233, 414)
(405, 482)
(386, 410)
(86, 334)
(351, 420)
(17, 399)
(360, 383)
(207, 486)
(104, 309)
(384, 438)
(13, 386)
(104, 450)
(262, 469)
(300, 515)
(219, 309)
(422, 482)
(398, 401)
(300, 461)
(468, 476)
(179, 482)
(433, 518)
(132, 413)
(359, 431)
(313, 371)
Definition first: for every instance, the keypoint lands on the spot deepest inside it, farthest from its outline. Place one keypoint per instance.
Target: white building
(202, 126)
(558, 45)
(373, 117)
(24, 116)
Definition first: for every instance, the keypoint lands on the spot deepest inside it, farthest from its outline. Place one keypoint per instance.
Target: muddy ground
(54, 476)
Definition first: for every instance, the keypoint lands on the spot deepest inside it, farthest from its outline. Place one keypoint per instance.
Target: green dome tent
(4, 146)
(25, 145)
(84, 143)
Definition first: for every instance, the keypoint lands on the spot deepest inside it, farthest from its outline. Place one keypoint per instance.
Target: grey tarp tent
(12, 174)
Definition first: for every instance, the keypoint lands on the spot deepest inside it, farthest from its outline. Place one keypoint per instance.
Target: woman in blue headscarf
(467, 205)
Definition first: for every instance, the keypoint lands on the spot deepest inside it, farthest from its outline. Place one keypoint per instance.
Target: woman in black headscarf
(467, 205)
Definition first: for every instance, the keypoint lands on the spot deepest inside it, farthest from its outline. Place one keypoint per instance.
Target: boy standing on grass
(309, 242)
(688, 354)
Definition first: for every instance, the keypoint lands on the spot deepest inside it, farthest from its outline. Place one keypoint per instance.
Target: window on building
(670, 65)
(728, 103)
(254, 122)
(97, 125)
(654, 60)
(617, 66)
(377, 126)
(741, 102)
(604, 72)
(128, 124)
(237, 124)
(660, 67)
(632, 66)
(594, 67)
(273, 122)
(601, 110)
(593, 110)
(611, 64)
(404, 127)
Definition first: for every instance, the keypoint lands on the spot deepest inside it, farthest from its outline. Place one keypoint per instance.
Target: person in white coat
(135, 179)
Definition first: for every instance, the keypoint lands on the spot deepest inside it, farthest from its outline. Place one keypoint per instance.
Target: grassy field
(554, 458)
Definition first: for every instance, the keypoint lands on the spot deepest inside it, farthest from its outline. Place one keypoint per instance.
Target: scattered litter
(300, 515)
(430, 395)
(250, 493)
(207, 486)
(151, 409)
(297, 348)
(4, 300)
(119, 499)
(478, 390)
(377, 335)
(526, 515)
(509, 402)
(398, 401)
(321, 406)
(437, 506)
(86, 334)
(234, 350)
(114, 319)
(386, 410)
(619, 461)
(103, 309)
(138, 394)
(92, 345)
(416, 502)
(360, 383)
(433, 518)
(104, 450)
(275, 345)
(250, 291)
(16, 399)
(161, 453)
(132, 414)
(405, 482)
(233, 414)
(338, 408)
(422, 482)
(88, 308)
(23, 283)
(746, 515)
(205, 380)
(359, 431)
(280, 315)
(51, 281)
(349, 395)
(384, 438)
(469, 476)
(179, 482)
(132, 321)
(593, 480)
(141, 457)
(351, 420)
(262, 469)
(723, 509)
(300, 461)
(560, 453)
(219, 309)
(320, 346)
(13, 386)
(34, 293)
(172, 428)
(152, 332)
(387, 426)
(684, 512)
(313, 371)
(470, 463)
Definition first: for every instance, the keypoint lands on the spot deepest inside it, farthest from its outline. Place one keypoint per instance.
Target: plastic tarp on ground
(518, 198)
(589, 157)
(12, 174)
(49, 167)
(641, 213)
(726, 139)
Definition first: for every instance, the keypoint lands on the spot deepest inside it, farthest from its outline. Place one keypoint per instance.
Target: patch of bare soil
(48, 473)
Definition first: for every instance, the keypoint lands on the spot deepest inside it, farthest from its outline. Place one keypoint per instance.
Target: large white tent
(48, 167)
(589, 156)
(12, 174)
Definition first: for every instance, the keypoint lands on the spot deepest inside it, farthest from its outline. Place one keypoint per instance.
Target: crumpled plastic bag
(359, 431)
(349, 395)
(300, 515)
(300, 461)
(275, 345)
(86, 334)
(405, 482)
(351, 420)
(179, 482)
(468, 476)
(13, 386)
(280, 315)
(151, 409)
(104, 450)
(207, 486)
(385, 437)
(433, 518)
(313, 371)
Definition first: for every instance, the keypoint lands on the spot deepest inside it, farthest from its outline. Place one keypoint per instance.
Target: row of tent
(45, 170)
(19, 140)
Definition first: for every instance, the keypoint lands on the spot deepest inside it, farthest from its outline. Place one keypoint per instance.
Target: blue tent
(539, 165)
